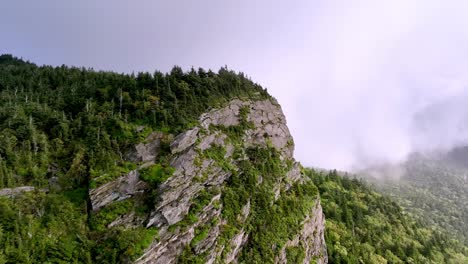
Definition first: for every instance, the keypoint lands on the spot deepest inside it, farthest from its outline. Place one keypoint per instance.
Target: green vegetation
(295, 254)
(100, 177)
(74, 122)
(435, 191)
(68, 129)
(43, 228)
(187, 257)
(271, 222)
(217, 154)
(156, 174)
(363, 226)
(121, 245)
(108, 214)
(200, 234)
(201, 201)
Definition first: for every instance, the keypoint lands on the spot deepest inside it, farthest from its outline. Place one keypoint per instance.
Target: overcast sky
(360, 82)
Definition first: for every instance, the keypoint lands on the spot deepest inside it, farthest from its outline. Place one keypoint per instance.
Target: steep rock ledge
(311, 239)
(189, 207)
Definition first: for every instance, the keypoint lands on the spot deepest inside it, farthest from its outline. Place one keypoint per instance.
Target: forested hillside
(364, 226)
(63, 122)
(64, 130)
(435, 190)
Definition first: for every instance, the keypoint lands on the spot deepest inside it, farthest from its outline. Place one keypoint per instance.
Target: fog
(361, 82)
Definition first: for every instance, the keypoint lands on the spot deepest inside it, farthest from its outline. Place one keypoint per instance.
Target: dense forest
(64, 130)
(364, 226)
(64, 122)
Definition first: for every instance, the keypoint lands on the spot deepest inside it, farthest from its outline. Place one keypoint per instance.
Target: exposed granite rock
(267, 118)
(311, 238)
(214, 138)
(236, 244)
(129, 220)
(227, 116)
(120, 189)
(177, 193)
(176, 205)
(270, 124)
(166, 250)
(147, 151)
(292, 176)
(209, 242)
(245, 212)
(13, 192)
(171, 244)
(192, 176)
(184, 140)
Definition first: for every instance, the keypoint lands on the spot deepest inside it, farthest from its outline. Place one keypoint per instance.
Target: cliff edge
(226, 191)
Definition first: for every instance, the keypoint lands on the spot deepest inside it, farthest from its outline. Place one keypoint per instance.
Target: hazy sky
(360, 81)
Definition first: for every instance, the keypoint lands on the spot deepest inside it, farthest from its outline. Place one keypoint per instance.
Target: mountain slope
(99, 167)
(433, 187)
(364, 226)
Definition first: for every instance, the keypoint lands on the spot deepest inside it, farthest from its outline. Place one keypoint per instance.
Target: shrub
(156, 174)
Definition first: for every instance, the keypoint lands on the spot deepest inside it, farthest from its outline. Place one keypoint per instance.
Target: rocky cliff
(226, 191)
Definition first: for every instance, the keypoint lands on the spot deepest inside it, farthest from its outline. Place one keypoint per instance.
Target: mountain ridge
(160, 168)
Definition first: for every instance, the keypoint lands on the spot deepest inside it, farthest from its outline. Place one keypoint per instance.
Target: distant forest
(364, 226)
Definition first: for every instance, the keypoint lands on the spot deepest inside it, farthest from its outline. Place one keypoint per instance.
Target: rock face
(12, 192)
(188, 206)
(268, 121)
(311, 239)
(148, 151)
(184, 140)
(120, 189)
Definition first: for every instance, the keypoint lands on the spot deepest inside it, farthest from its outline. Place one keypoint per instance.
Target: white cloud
(382, 62)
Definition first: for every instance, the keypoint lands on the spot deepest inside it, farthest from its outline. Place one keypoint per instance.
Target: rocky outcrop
(189, 179)
(148, 150)
(270, 125)
(236, 245)
(13, 192)
(176, 194)
(267, 118)
(188, 205)
(184, 140)
(172, 243)
(227, 116)
(120, 189)
(311, 239)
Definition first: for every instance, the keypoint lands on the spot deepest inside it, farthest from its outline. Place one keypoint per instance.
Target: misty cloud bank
(361, 82)
(392, 82)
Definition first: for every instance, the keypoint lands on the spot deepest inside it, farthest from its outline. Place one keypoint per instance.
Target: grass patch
(295, 254)
(156, 174)
(101, 219)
